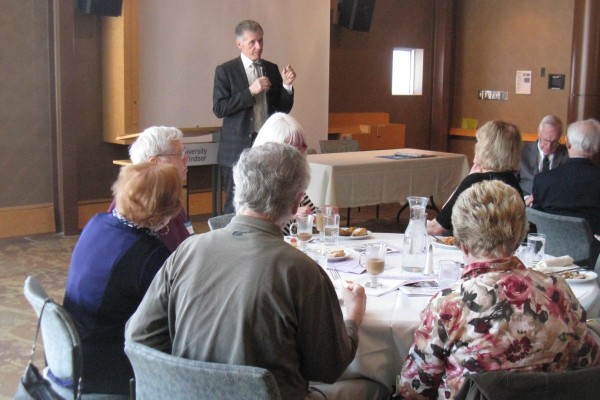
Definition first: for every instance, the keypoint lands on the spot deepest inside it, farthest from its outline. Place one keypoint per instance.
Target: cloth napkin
(555, 262)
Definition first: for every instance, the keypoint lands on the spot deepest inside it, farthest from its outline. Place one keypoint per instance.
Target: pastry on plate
(449, 240)
(336, 253)
(360, 232)
(347, 231)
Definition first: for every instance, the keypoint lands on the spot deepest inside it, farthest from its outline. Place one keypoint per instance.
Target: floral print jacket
(500, 315)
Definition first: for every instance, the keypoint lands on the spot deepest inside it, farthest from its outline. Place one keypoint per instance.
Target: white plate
(444, 245)
(589, 276)
(368, 235)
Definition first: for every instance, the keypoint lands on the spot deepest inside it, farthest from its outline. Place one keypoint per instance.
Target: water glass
(331, 229)
(304, 226)
(525, 254)
(319, 221)
(375, 262)
(449, 272)
(538, 241)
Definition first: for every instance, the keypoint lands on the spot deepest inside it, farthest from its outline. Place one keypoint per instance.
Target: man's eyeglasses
(182, 155)
(550, 142)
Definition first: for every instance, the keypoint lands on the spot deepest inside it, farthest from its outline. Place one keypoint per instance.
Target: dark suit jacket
(233, 102)
(530, 162)
(572, 189)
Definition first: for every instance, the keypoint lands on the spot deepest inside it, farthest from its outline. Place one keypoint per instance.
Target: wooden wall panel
(495, 38)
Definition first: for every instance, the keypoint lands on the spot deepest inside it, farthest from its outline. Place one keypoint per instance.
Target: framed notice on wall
(523, 82)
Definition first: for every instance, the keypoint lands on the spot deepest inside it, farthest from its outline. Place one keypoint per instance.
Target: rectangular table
(365, 178)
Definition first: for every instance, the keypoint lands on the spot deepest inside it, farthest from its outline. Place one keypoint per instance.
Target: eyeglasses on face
(550, 142)
(182, 155)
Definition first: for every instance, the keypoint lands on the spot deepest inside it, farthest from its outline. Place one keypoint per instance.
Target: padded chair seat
(61, 342)
(514, 385)
(160, 375)
(220, 221)
(565, 235)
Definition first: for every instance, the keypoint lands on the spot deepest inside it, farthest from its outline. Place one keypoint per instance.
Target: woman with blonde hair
(113, 263)
(500, 315)
(497, 156)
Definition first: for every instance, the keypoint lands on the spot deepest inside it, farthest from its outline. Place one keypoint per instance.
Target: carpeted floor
(47, 258)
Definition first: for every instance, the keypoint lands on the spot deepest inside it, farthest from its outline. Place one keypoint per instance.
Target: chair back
(507, 385)
(61, 339)
(564, 235)
(162, 376)
(220, 221)
(339, 146)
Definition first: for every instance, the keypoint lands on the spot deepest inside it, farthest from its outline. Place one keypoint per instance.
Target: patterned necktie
(260, 101)
(545, 164)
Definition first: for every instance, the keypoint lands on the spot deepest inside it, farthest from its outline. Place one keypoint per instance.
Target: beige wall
(361, 66)
(25, 145)
(494, 39)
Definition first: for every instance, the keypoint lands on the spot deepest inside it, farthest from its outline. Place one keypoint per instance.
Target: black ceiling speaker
(109, 8)
(356, 14)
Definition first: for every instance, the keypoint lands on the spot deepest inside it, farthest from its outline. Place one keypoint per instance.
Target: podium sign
(202, 153)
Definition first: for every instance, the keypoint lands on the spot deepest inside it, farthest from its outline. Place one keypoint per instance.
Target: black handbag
(32, 385)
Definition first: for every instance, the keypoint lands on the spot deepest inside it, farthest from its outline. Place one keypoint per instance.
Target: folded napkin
(555, 262)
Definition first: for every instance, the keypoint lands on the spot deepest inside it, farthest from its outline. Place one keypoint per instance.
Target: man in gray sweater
(242, 295)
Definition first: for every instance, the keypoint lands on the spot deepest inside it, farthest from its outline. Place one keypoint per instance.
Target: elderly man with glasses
(162, 144)
(542, 155)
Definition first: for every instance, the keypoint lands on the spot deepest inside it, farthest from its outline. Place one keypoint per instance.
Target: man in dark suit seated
(542, 155)
(246, 91)
(573, 189)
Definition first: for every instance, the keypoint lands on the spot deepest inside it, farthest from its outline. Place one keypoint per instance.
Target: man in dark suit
(246, 91)
(544, 154)
(573, 189)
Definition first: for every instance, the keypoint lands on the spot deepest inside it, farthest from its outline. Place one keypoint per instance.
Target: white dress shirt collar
(541, 159)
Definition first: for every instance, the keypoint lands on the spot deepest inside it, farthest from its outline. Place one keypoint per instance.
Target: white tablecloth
(364, 178)
(391, 320)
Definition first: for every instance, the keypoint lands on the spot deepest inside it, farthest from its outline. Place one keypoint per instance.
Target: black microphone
(260, 69)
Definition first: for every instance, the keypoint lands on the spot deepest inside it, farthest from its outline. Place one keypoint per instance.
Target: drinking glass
(525, 253)
(538, 241)
(304, 226)
(375, 261)
(331, 229)
(319, 222)
(449, 272)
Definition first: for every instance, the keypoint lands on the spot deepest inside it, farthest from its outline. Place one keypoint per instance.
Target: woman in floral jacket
(500, 315)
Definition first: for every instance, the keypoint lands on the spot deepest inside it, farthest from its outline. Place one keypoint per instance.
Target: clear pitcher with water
(415, 238)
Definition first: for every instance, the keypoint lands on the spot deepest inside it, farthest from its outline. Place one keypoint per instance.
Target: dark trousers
(228, 186)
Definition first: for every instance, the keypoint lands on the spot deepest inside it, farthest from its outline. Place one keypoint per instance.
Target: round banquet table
(391, 319)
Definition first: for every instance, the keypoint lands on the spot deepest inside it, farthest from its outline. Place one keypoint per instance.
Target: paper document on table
(350, 266)
(420, 288)
(360, 248)
(388, 287)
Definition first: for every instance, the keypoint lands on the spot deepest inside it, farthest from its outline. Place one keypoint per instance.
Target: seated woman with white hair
(163, 145)
(500, 315)
(283, 128)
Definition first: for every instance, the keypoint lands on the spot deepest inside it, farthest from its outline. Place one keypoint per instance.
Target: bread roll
(336, 253)
(360, 232)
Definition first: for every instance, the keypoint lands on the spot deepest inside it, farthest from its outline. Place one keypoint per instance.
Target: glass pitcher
(415, 238)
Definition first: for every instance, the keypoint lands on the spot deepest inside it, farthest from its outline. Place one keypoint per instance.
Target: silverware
(437, 239)
(334, 273)
(565, 270)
